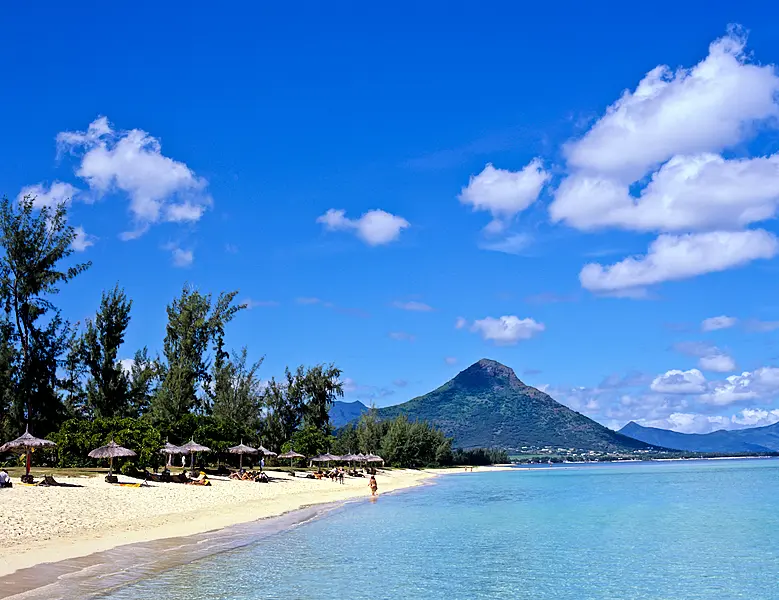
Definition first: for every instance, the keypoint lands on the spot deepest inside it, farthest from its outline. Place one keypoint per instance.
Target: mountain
(342, 413)
(486, 405)
(755, 439)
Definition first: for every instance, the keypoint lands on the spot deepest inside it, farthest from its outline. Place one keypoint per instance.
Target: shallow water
(677, 530)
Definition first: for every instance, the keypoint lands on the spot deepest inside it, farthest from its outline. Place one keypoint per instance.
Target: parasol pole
(29, 459)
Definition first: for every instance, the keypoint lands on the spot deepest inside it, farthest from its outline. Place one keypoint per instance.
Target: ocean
(694, 530)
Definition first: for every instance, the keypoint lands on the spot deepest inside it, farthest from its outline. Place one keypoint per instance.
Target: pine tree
(35, 243)
(107, 389)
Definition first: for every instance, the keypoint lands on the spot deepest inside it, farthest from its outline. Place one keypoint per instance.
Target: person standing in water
(373, 485)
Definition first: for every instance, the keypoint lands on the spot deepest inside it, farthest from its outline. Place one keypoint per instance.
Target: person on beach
(373, 485)
(262, 464)
(5, 479)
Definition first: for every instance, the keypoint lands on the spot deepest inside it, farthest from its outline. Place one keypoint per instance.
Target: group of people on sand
(243, 475)
(336, 474)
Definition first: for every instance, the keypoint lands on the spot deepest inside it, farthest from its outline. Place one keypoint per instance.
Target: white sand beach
(48, 524)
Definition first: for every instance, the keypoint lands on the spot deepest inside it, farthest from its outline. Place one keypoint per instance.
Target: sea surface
(697, 530)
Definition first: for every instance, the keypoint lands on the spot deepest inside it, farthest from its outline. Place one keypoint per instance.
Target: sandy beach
(42, 525)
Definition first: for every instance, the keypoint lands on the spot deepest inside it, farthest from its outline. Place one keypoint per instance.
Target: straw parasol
(241, 449)
(291, 455)
(170, 450)
(190, 448)
(110, 451)
(373, 458)
(267, 452)
(27, 443)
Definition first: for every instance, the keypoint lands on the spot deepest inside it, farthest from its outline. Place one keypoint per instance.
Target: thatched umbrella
(373, 458)
(240, 449)
(170, 449)
(291, 455)
(190, 448)
(110, 451)
(26, 443)
(267, 452)
(326, 457)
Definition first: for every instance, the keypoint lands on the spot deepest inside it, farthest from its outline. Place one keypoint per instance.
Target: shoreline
(55, 526)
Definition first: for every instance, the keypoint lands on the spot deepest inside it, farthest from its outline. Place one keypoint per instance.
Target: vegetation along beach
(421, 300)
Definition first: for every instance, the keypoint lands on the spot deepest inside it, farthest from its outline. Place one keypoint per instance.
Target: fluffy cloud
(51, 196)
(760, 383)
(688, 193)
(674, 257)
(679, 382)
(505, 193)
(127, 365)
(251, 303)
(699, 423)
(375, 227)
(83, 240)
(450, 360)
(159, 188)
(718, 363)
(653, 163)
(181, 258)
(412, 306)
(460, 323)
(506, 330)
(704, 109)
(715, 323)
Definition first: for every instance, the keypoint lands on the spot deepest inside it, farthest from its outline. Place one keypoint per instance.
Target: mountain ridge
(487, 405)
(752, 439)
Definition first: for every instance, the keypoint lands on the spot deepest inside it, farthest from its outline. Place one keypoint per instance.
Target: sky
(585, 194)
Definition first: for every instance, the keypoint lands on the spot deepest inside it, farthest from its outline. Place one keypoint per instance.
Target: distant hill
(342, 413)
(755, 439)
(486, 405)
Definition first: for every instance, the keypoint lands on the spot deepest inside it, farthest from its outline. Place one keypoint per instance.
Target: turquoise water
(693, 530)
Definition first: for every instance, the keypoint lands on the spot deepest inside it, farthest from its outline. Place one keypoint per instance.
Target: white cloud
(83, 240)
(51, 196)
(718, 363)
(715, 323)
(756, 417)
(127, 365)
(181, 258)
(412, 306)
(704, 109)
(679, 382)
(506, 330)
(700, 423)
(159, 188)
(674, 257)
(375, 227)
(460, 323)
(515, 243)
(505, 193)
(762, 382)
(450, 360)
(688, 193)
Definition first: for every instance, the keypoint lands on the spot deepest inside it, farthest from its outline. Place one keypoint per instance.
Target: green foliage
(107, 389)
(238, 399)
(284, 407)
(143, 379)
(408, 444)
(193, 323)
(35, 243)
(77, 437)
(347, 441)
(321, 387)
(370, 431)
(480, 456)
(311, 441)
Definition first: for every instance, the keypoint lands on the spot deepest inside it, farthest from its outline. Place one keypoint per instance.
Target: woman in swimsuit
(373, 485)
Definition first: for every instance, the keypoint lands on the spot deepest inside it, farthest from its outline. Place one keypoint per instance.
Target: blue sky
(330, 161)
